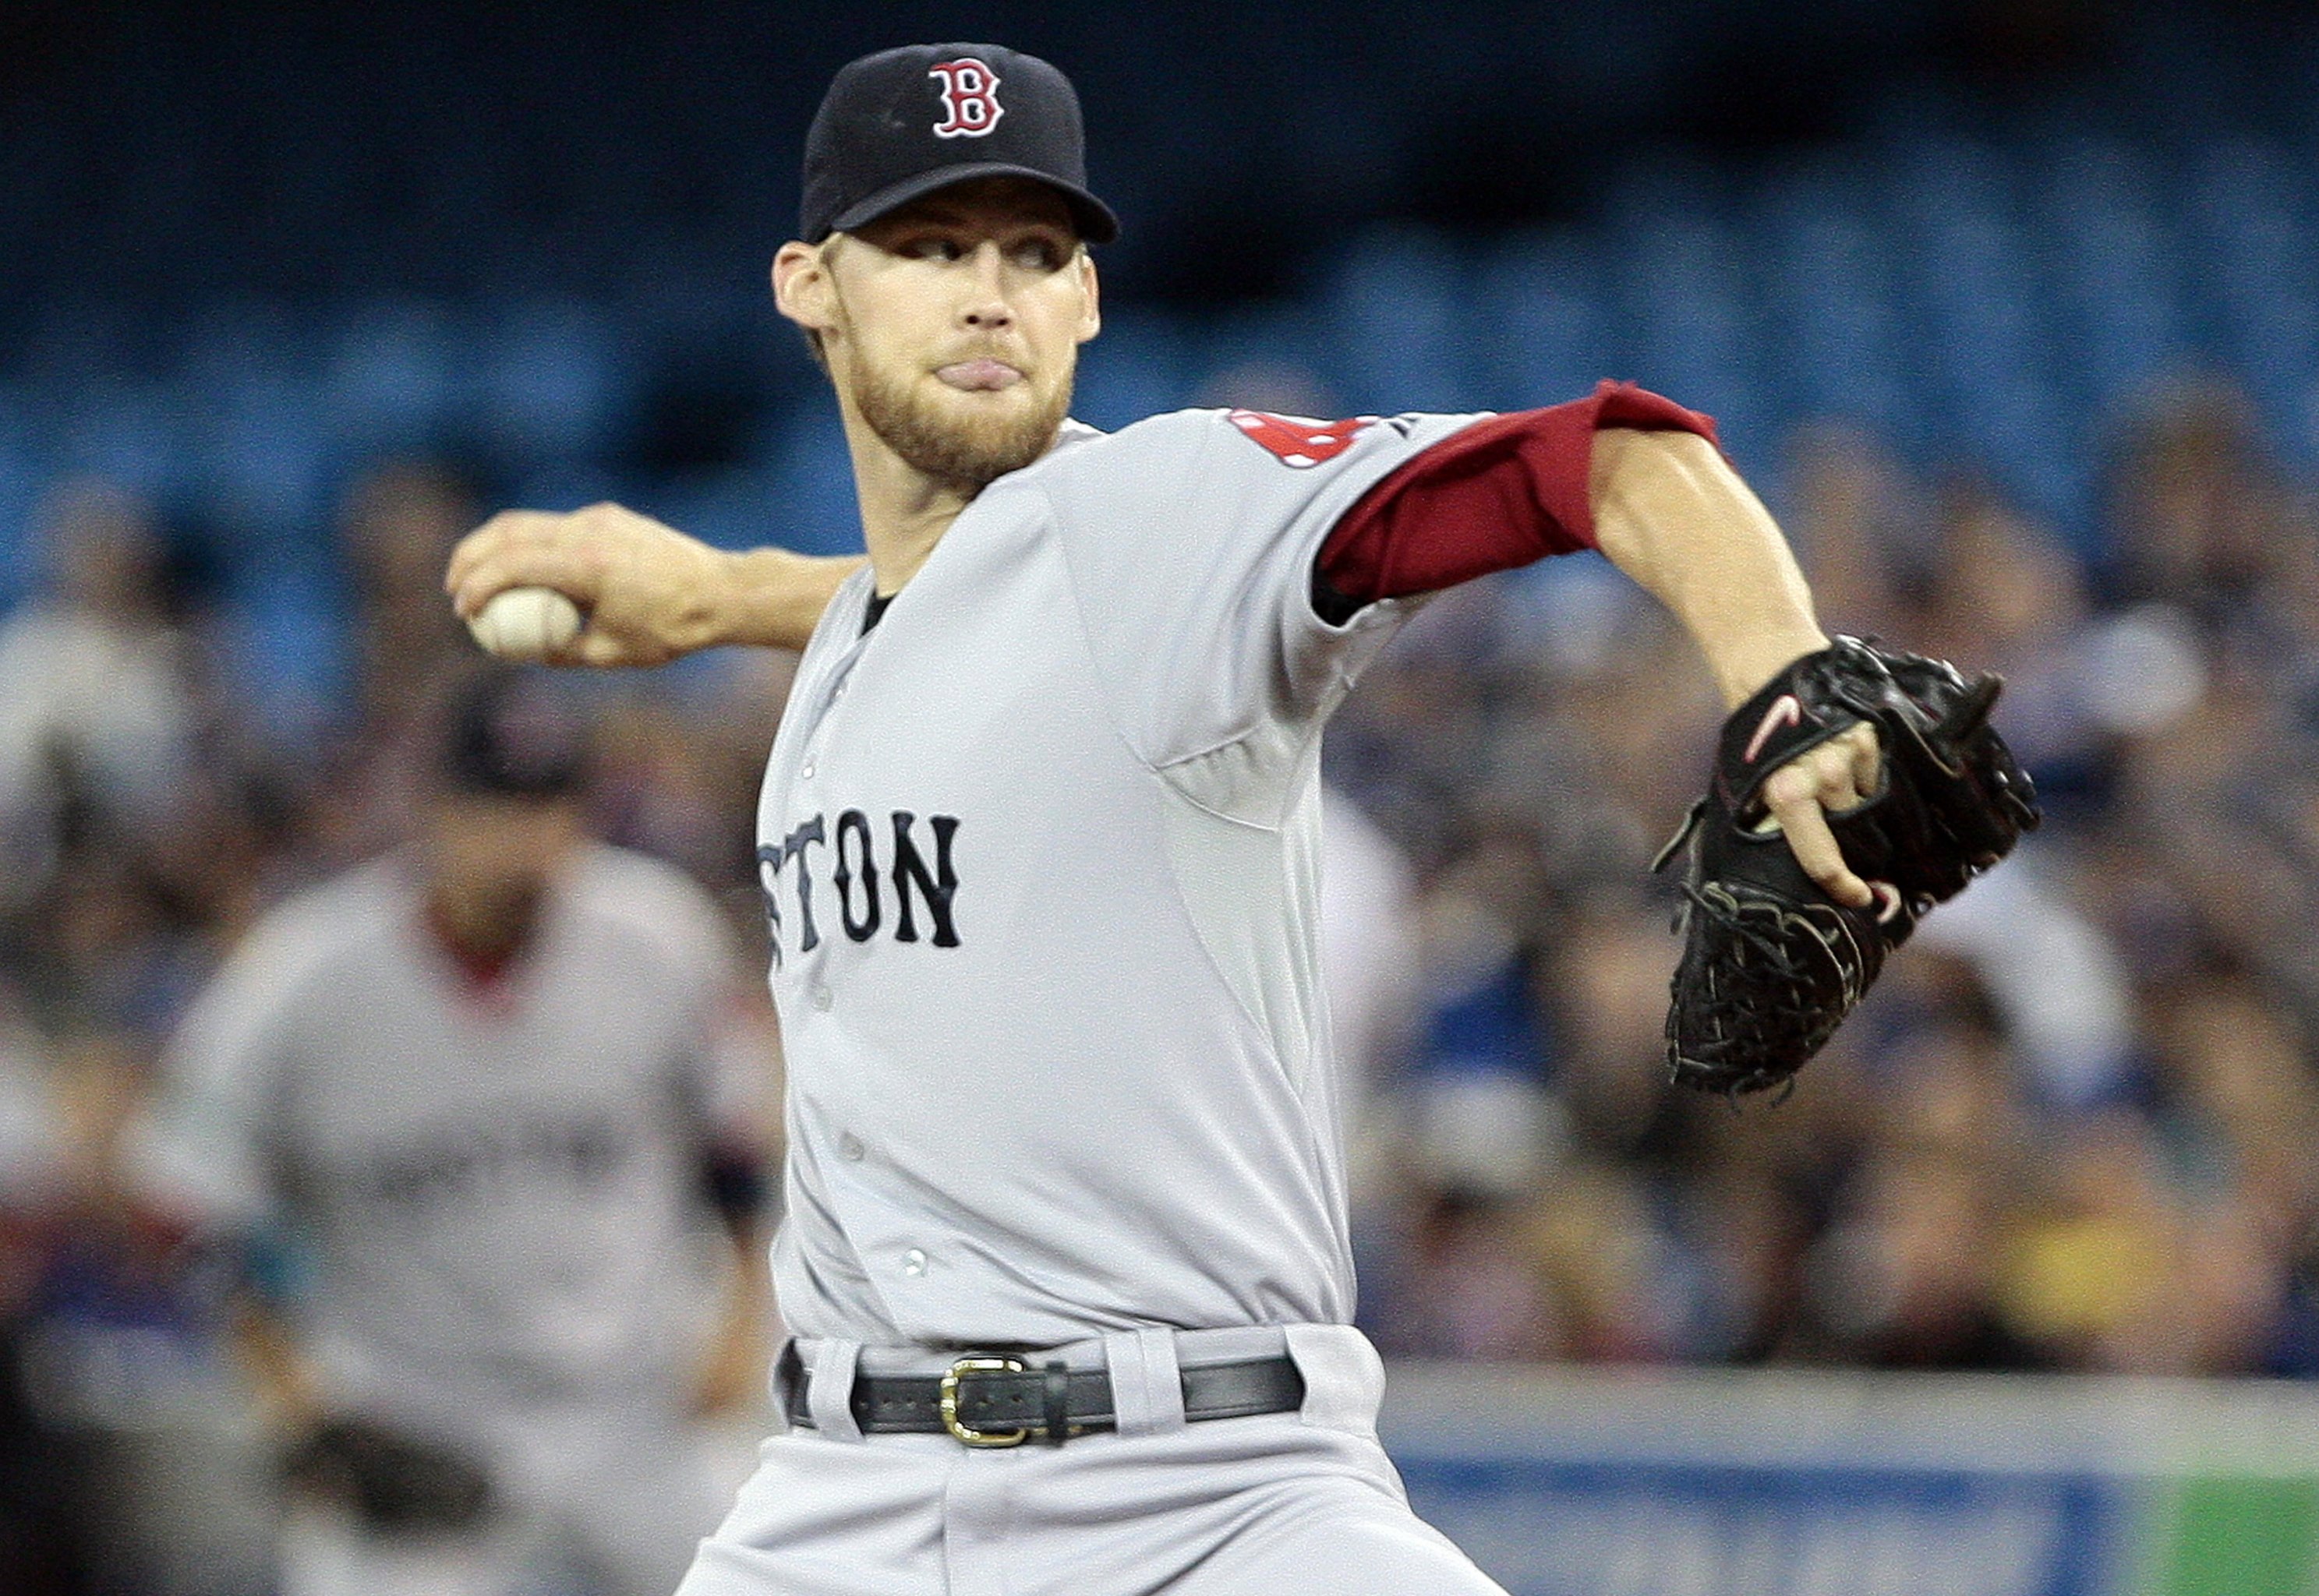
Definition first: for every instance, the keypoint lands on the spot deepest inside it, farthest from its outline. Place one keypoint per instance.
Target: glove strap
(1818, 697)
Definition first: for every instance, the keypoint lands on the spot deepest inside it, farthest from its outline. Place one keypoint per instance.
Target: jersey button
(849, 1148)
(914, 1262)
(821, 997)
(807, 773)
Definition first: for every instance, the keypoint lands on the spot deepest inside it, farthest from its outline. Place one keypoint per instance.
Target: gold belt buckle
(966, 1432)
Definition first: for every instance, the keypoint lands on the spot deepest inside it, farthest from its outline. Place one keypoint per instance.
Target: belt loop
(829, 1393)
(1344, 1382)
(785, 1381)
(1055, 1407)
(1147, 1387)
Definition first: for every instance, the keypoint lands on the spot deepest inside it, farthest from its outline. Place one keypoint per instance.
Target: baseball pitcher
(1065, 1252)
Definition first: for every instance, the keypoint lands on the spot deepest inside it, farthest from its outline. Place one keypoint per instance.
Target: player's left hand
(1839, 774)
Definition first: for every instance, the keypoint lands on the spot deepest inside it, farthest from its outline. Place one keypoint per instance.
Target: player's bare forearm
(774, 598)
(649, 592)
(1671, 513)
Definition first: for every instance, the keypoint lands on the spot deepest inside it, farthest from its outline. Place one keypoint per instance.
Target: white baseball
(526, 623)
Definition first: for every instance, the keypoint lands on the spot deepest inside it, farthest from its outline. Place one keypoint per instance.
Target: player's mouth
(979, 376)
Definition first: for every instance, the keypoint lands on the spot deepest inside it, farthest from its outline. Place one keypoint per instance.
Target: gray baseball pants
(1280, 1504)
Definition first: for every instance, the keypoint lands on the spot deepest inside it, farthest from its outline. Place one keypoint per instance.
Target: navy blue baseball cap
(512, 733)
(899, 124)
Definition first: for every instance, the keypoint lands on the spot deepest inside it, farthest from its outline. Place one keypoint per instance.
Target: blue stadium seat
(2250, 220)
(22, 482)
(1264, 357)
(744, 509)
(393, 376)
(1135, 369)
(284, 631)
(566, 485)
(1539, 299)
(266, 465)
(1835, 329)
(1692, 325)
(2112, 265)
(133, 433)
(809, 502)
(549, 383)
(1397, 338)
(1834, 334)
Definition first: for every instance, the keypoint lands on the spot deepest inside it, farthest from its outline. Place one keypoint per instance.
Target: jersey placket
(796, 782)
(812, 782)
(831, 1117)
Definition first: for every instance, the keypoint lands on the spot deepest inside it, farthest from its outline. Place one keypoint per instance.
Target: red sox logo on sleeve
(970, 93)
(1294, 441)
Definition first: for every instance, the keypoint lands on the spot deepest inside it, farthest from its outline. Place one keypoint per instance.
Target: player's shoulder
(660, 907)
(1191, 448)
(1080, 449)
(351, 904)
(316, 929)
(1153, 462)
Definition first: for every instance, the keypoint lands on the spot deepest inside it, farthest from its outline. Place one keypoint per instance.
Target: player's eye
(1040, 255)
(931, 246)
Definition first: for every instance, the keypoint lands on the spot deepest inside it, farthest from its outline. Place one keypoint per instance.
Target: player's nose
(985, 305)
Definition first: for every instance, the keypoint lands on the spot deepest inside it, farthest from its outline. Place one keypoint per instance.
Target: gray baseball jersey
(500, 1183)
(1038, 855)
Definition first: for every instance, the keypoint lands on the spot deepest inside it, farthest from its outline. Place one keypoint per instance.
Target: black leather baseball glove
(1771, 964)
(393, 1481)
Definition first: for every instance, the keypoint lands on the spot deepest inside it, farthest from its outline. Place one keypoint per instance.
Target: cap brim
(1096, 223)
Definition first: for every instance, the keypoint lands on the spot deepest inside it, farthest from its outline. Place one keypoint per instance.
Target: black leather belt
(1000, 1400)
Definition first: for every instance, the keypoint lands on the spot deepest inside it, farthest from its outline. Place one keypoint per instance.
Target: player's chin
(990, 416)
(972, 437)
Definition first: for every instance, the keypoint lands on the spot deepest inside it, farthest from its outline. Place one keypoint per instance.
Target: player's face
(490, 861)
(952, 326)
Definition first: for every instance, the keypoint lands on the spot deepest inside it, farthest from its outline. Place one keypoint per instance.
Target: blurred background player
(482, 1089)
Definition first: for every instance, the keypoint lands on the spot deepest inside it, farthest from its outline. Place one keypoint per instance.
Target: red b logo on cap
(969, 94)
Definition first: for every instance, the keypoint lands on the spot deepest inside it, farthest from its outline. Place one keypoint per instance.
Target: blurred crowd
(2070, 1130)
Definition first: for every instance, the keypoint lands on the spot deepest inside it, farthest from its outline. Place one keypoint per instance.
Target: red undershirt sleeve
(1500, 493)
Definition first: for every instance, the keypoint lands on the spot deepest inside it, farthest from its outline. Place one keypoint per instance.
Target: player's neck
(904, 511)
(483, 940)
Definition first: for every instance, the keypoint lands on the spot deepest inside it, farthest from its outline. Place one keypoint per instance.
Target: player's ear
(1091, 318)
(803, 290)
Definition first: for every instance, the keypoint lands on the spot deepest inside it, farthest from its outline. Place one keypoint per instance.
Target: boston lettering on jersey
(846, 857)
(456, 1163)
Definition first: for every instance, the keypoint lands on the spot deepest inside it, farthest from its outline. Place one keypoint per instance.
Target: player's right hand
(647, 590)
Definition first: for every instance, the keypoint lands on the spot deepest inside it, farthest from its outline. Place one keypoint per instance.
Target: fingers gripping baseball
(639, 584)
(1839, 774)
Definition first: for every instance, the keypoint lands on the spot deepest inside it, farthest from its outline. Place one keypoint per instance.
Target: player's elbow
(1634, 463)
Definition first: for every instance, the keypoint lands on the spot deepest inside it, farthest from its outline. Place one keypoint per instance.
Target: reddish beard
(971, 451)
